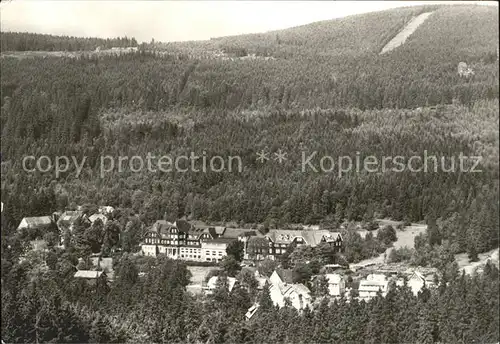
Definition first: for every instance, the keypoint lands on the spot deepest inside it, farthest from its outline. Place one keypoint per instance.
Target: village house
(199, 242)
(100, 216)
(68, 219)
(38, 248)
(37, 222)
(187, 241)
(282, 289)
(417, 281)
(370, 286)
(171, 238)
(278, 241)
(281, 276)
(39, 245)
(331, 268)
(252, 311)
(105, 209)
(104, 264)
(261, 280)
(336, 285)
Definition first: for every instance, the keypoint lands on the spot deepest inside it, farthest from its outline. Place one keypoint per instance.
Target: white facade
(213, 251)
(374, 283)
(34, 222)
(298, 294)
(210, 251)
(251, 311)
(149, 250)
(336, 284)
(275, 279)
(417, 281)
(101, 217)
(190, 253)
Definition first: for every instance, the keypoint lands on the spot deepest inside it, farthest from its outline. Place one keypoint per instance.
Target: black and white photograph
(254, 172)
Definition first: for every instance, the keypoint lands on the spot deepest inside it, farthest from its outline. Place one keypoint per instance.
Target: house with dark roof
(104, 264)
(68, 219)
(279, 240)
(185, 240)
(283, 289)
(417, 281)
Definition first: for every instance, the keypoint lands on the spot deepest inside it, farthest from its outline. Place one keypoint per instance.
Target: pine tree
(321, 286)
(99, 332)
(265, 302)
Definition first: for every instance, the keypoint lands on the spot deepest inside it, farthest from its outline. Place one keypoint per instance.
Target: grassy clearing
(198, 277)
(406, 237)
(469, 267)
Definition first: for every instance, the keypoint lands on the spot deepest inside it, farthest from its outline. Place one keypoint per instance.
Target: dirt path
(401, 37)
(406, 238)
(469, 267)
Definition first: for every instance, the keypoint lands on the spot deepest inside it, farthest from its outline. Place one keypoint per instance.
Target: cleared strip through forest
(401, 37)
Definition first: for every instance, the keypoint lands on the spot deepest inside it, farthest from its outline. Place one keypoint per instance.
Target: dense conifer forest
(25, 41)
(319, 88)
(156, 308)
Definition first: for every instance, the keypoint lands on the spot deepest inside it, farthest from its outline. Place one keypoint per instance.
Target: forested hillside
(320, 88)
(157, 309)
(25, 41)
